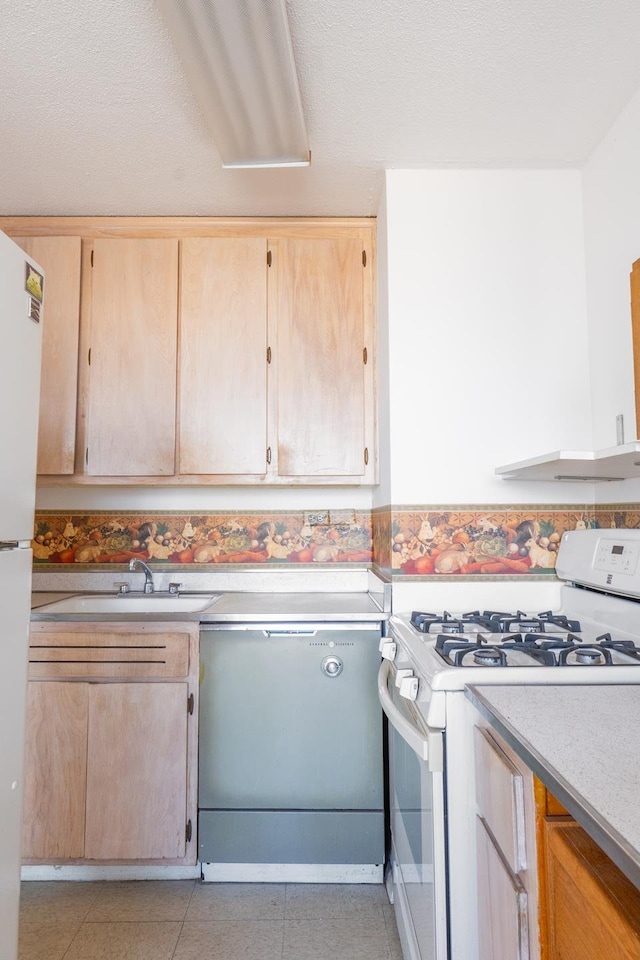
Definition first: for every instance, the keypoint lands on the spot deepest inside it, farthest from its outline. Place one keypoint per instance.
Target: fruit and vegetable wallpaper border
(401, 542)
(189, 540)
(493, 541)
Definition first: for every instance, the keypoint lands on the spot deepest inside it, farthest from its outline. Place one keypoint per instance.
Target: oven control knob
(401, 673)
(388, 650)
(409, 688)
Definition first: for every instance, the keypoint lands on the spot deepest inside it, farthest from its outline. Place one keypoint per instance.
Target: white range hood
(621, 462)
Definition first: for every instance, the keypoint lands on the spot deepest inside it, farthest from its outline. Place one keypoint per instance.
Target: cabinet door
(60, 259)
(320, 362)
(137, 771)
(502, 904)
(593, 910)
(132, 375)
(223, 365)
(55, 770)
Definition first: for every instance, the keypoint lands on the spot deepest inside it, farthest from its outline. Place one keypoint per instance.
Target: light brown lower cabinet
(111, 747)
(593, 910)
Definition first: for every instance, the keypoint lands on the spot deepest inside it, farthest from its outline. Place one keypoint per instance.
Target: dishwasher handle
(289, 633)
(427, 749)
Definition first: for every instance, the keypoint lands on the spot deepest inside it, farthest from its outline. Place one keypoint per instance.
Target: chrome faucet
(135, 564)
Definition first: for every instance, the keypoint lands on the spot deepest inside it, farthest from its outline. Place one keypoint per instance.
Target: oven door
(416, 790)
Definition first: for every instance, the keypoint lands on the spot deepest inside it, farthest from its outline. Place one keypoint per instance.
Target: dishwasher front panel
(279, 732)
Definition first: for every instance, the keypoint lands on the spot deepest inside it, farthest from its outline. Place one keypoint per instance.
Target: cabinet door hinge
(268, 258)
(365, 355)
(366, 456)
(188, 832)
(364, 258)
(190, 704)
(89, 357)
(268, 454)
(268, 354)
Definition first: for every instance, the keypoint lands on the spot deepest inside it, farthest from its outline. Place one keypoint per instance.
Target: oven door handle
(429, 748)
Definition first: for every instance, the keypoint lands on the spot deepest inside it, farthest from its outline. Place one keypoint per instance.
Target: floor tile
(237, 901)
(56, 901)
(395, 947)
(142, 900)
(124, 941)
(352, 939)
(231, 940)
(45, 941)
(334, 901)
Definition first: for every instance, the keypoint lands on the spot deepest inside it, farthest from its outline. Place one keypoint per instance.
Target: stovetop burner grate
(519, 639)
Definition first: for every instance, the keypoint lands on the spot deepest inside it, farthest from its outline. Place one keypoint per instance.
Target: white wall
(612, 243)
(487, 331)
(201, 498)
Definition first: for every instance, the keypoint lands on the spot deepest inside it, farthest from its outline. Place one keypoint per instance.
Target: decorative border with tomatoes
(475, 541)
(401, 541)
(109, 537)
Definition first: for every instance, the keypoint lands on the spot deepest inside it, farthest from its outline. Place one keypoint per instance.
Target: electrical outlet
(343, 517)
(316, 518)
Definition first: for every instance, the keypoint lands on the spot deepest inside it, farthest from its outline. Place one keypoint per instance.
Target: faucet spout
(136, 564)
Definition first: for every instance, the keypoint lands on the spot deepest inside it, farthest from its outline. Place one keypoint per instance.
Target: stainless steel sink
(126, 603)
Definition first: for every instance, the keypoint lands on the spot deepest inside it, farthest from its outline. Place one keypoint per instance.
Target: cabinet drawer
(123, 655)
(502, 904)
(500, 798)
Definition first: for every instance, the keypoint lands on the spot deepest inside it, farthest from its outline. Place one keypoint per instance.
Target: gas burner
(584, 656)
(488, 656)
(444, 623)
(544, 623)
(445, 643)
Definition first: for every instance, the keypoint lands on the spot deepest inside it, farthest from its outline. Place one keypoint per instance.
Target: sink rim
(126, 603)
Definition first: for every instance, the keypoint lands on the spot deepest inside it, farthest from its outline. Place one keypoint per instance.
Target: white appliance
(21, 288)
(427, 660)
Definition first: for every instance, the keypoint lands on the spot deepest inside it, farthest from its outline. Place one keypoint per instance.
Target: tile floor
(189, 920)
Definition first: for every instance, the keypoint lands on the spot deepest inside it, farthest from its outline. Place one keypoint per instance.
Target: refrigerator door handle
(9, 544)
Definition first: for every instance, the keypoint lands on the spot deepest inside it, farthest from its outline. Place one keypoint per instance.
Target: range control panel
(605, 559)
(614, 556)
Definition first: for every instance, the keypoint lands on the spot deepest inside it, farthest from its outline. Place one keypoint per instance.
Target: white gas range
(428, 659)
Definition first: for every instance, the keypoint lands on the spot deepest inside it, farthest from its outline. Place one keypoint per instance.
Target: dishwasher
(290, 766)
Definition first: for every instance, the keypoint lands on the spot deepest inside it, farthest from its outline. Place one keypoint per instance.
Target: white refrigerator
(21, 296)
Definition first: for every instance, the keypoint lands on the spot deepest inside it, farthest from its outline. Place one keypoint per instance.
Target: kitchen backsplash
(402, 542)
(189, 540)
(488, 542)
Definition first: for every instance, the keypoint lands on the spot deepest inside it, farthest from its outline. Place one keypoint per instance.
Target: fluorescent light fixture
(238, 59)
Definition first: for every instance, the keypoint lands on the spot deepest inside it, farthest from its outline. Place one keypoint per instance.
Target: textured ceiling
(95, 117)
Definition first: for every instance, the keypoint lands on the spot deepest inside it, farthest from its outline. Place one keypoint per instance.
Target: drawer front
(500, 798)
(503, 930)
(91, 654)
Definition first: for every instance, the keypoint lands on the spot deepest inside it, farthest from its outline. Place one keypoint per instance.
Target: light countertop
(239, 607)
(583, 742)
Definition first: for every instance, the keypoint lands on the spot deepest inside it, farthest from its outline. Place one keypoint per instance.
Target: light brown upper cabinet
(321, 354)
(223, 356)
(131, 408)
(60, 259)
(213, 350)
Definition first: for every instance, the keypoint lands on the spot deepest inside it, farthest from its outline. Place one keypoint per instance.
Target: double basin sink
(131, 603)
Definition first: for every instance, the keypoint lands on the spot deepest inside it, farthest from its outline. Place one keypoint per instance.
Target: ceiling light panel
(238, 59)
